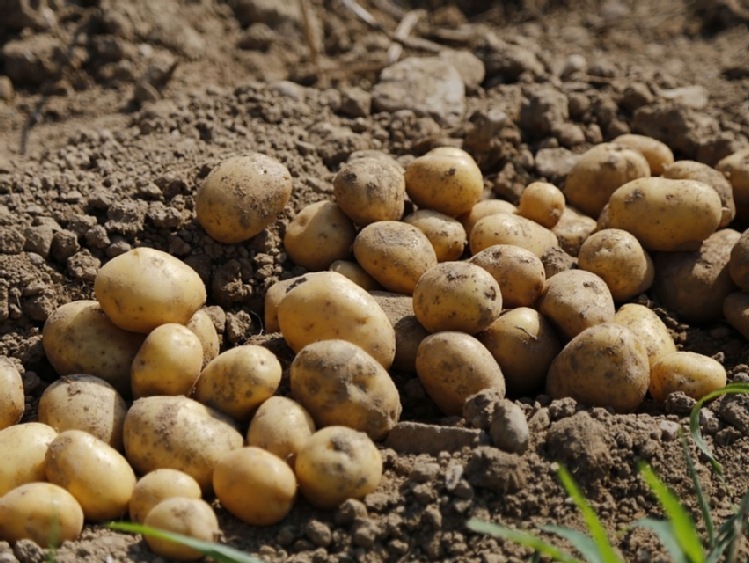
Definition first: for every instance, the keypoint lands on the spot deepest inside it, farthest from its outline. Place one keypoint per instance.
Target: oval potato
(280, 426)
(159, 485)
(447, 235)
(24, 447)
(657, 153)
(202, 326)
(484, 208)
(319, 234)
(186, 516)
(701, 172)
(543, 203)
(691, 373)
(370, 189)
(519, 273)
(511, 229)
(648, 327)
(356, 274)
(11, 393)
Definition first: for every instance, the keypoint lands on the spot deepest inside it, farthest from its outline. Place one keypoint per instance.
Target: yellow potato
(573, 228)
(157, 486)
(484, 208)
(11, 393)
(543, 203)
(281, 426)
(700, 172)
(408, 330)
(511, 229)
(370, 189)
(24, 447)
(356, 274)
(519, 273)
(320, 234)
(186, 516)
(649, 329)
(277, 292)
(735, 168)
(202, 326)
(242, 196)
(447, 235)
(658, 155)
(694, 374)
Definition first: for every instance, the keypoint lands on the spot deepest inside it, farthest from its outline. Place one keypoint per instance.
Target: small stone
(29, 552)
(64, 245)
(418, 438)
(669, 430)
(38, 239)
(509, 428)
(318, 533)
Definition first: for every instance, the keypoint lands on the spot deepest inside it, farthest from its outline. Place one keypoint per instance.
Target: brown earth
(111, 113)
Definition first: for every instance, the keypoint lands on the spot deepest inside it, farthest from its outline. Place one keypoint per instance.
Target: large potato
(144, 288)
(543, 203)
(447, 235)
(519, 273)
(341, 385)
(658, 155)
(280, 426)
(320, 234)
(738, 263)
(242, 196)
(185, 516)
(11, 393)
(484, 208)
(691, 373)
(408, 330)
(648, 327)
(370, 189)
(159, 485)
(700, 172)
(202, 326)
(511, 229)
(24, 447)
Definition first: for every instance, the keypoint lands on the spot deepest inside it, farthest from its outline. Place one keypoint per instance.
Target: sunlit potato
(24, 447)
(543, 203)
(11, 393)
(447, 235)
(281, 426)
(159, 485)
(693, 374)
(319, 234)
(370, 189)
(185, 516)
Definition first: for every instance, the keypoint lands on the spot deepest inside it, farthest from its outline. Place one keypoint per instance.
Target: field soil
(112, 113)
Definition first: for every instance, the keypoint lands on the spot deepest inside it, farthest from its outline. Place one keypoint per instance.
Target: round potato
(186, 516)
(341, 385)
(484, 208)
(691, 373)
(648, 327)
(320, 234)
(408, 330)
(157, 486)
(735, 168)
(452, 366)
(370, 189)
(447, 235)
(24, 447)
(202, 326)
(242, 196)
(700, 172)
(11, 393)
(280, 426)
(605, 365)
(356, 274)
(573, 228)
(395, 254)
(335, 464)
(519, 273)
(277, 292)
(144, 288)
(239, 380)
(658, 155)
(738, 264)
(42, 512)
(511, 229)
(543, 203)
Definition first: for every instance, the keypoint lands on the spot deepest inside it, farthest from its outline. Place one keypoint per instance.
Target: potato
(239, 380)
(599, 172)
(736, 311)
(87, 403)
(370, 189)
(242, 196)
(605, 365)
(519, 273)
(511, 229)
(658, 155)
(335, 464)
(524, 344)
(649, 329)
(331, 306)
(24, 447)
(280, 426)
(201, 325)
(277, 292)
(320, 234)
(178, 433)
(144, 288)
(619, 259)
(341, 385)
(700, 172)
(447, 235)
(735, 168)
(79, 338)
(446, 181)
(452, 366)
(186, 516)
(42, 512)
(484, 208)
(666, 214)
(11, 393)
(157, 486)
(99, 478)
(457, 296)
(573, 228)
(356, 274)
(395, 254)
(689, 372)
(408, 330)
(168, 362)
(543, 203)
(575, 300)
(738, 263)
(255, 486)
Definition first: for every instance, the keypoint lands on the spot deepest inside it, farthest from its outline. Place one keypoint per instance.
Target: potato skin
(738, 263)
(186, 516)
(700, 172)
(356, 274)
(447, 235)
(519, 273)
(694, 374)
(572, 229)
(648, 327)
(159, 485)
(658, 155)
(511, 229)
(201, 325)
(370, 189)
(484, 208)
(24, 447)
(319, 234)
(11, 393)
(277, 292)
(280, 426)
(543, 203)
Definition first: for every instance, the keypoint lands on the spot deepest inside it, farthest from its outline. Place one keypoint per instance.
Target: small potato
(242, 196)
(159, 485)
(202, 326)
(738, 264)
(168, 362)
(543, 203)
(408, 330)
(99, 478)
(648, 327)
(519, 273)
(484, 208)
(11, 393)
(24, 447)
(658, 155)
(511, 229)
(356, 274)
(255, 486)
(341, 385)
(144, 288)
(395, 254)
(42, 512)
(87, 403)
(735, 168)
(186, 516)
(605, 365)
(700, 172)
(457, 296)
(335, 464)
(691, 373)
(320, 234)
(239, 380)
(573, 228)
(619, 259)
(370, 189)
(447, 235)
(280, 426)
(276, 293)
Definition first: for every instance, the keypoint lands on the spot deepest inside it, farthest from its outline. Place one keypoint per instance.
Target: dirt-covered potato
(736, 311)
(202, 326)
(24, 447)
(242, 196)
(446, 181)
(178, 433)
(695, 284)
(484, 208)
(452, 366)
(511, 229)
(157, 486)
(356, 274)
(648, 327)
(87, 403)
(255, 486)
(666, 214)
(408, 330)
(168, 362)
(575, 300)
(524, 344)
(186, 516)
(370, 189)
(42, 512)
(605, 365)
(11, 393)
(276, 293)
(700, 172)
(619, 259)
(331, 306)
(457, 296)
(335, 464)
(735, 168)
(738, 263)
(341, 385)
(237, 381)
(280, 426)
(447, 235)
(543, 203)
(658, 155)
(693, 374)
(572, 230)
(320, 234)
(395, 254)
(144, 288)
(519, 273)
(97, 475)
(79, 338)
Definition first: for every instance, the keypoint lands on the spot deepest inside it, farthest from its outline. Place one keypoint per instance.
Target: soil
(111, 113)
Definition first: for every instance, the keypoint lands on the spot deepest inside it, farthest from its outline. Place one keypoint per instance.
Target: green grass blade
(665, 532)
(730, 533)
(583, 543)
(702, 501)
(522, 538)
(220, 553)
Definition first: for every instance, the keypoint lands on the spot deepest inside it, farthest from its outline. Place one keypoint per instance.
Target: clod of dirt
(417, 438)
(580, 443)
(509, 428)
(493, 469)
(478, 409)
